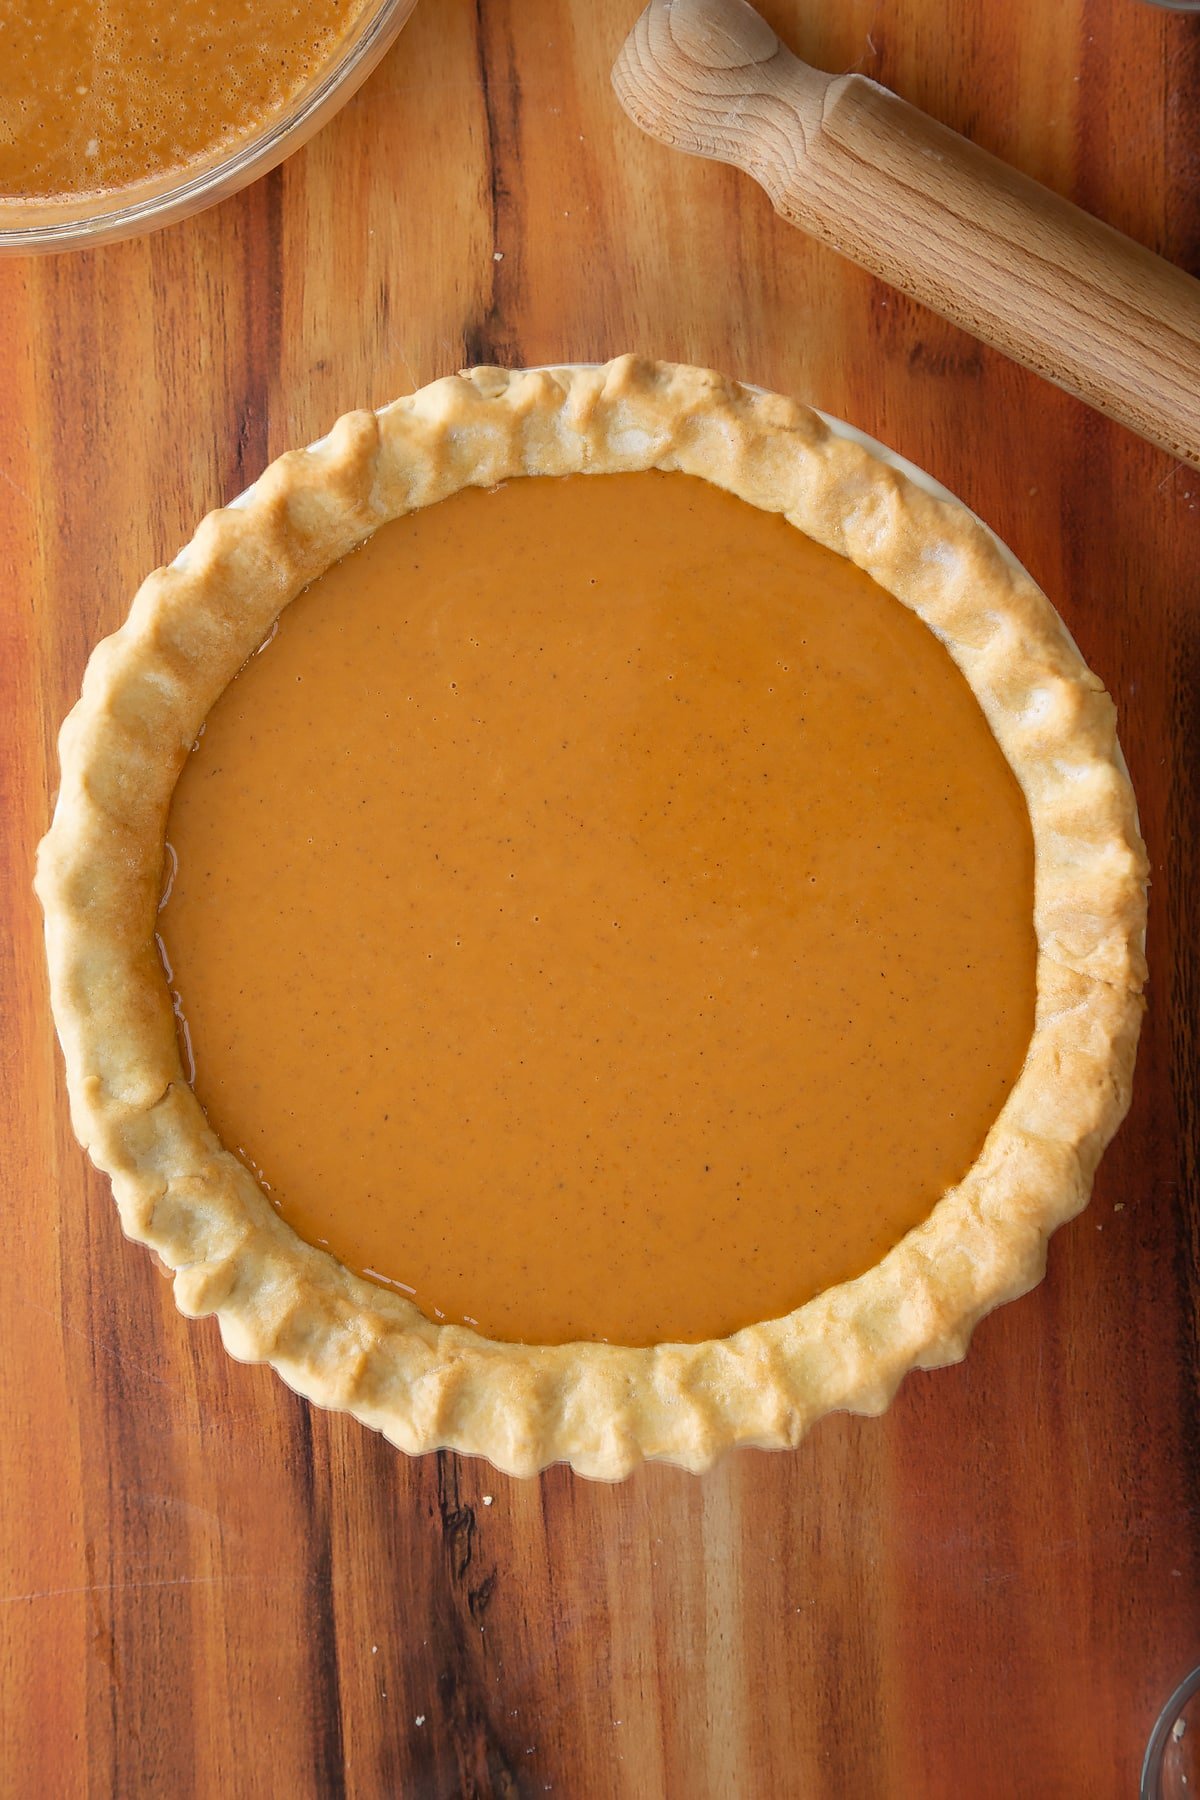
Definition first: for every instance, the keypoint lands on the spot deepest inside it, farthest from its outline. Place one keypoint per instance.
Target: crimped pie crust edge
(345, 1342)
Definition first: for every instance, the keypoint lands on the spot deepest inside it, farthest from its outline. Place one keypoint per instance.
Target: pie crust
(344, 1341)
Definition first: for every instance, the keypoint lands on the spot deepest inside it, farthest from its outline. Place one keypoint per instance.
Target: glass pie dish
(82, 220)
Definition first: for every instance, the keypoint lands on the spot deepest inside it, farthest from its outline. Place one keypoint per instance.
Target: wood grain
(208, 1588)
(926, 210)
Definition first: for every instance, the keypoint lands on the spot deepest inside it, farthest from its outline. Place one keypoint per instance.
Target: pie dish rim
(342, 1340)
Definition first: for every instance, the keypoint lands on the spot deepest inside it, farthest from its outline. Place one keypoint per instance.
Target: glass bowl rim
(163, 201)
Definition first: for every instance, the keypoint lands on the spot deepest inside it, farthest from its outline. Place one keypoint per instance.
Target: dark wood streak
(951, 359)
(129, 1460)
(1183, 899)
(103, 1641)
(457, 1519)
(328, 1747)
(485, 1759)
(492, 338)
(263, 275)
(1181, 86)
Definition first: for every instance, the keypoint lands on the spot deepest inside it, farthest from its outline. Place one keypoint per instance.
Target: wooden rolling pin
(927, 211)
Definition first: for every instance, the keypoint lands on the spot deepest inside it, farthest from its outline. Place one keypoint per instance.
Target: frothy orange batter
(101, 94)
(602, 913)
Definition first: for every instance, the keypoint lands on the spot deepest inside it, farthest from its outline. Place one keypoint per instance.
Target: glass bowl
(78, 221)
(1171, 1770)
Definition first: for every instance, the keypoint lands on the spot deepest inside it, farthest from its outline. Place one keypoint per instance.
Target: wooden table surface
(207, 1587)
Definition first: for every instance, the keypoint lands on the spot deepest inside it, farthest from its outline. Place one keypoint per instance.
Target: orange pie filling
(102, 94)
(601, 913)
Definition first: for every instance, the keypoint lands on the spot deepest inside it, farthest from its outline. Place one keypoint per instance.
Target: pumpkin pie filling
(600, 912)
(102, 94)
